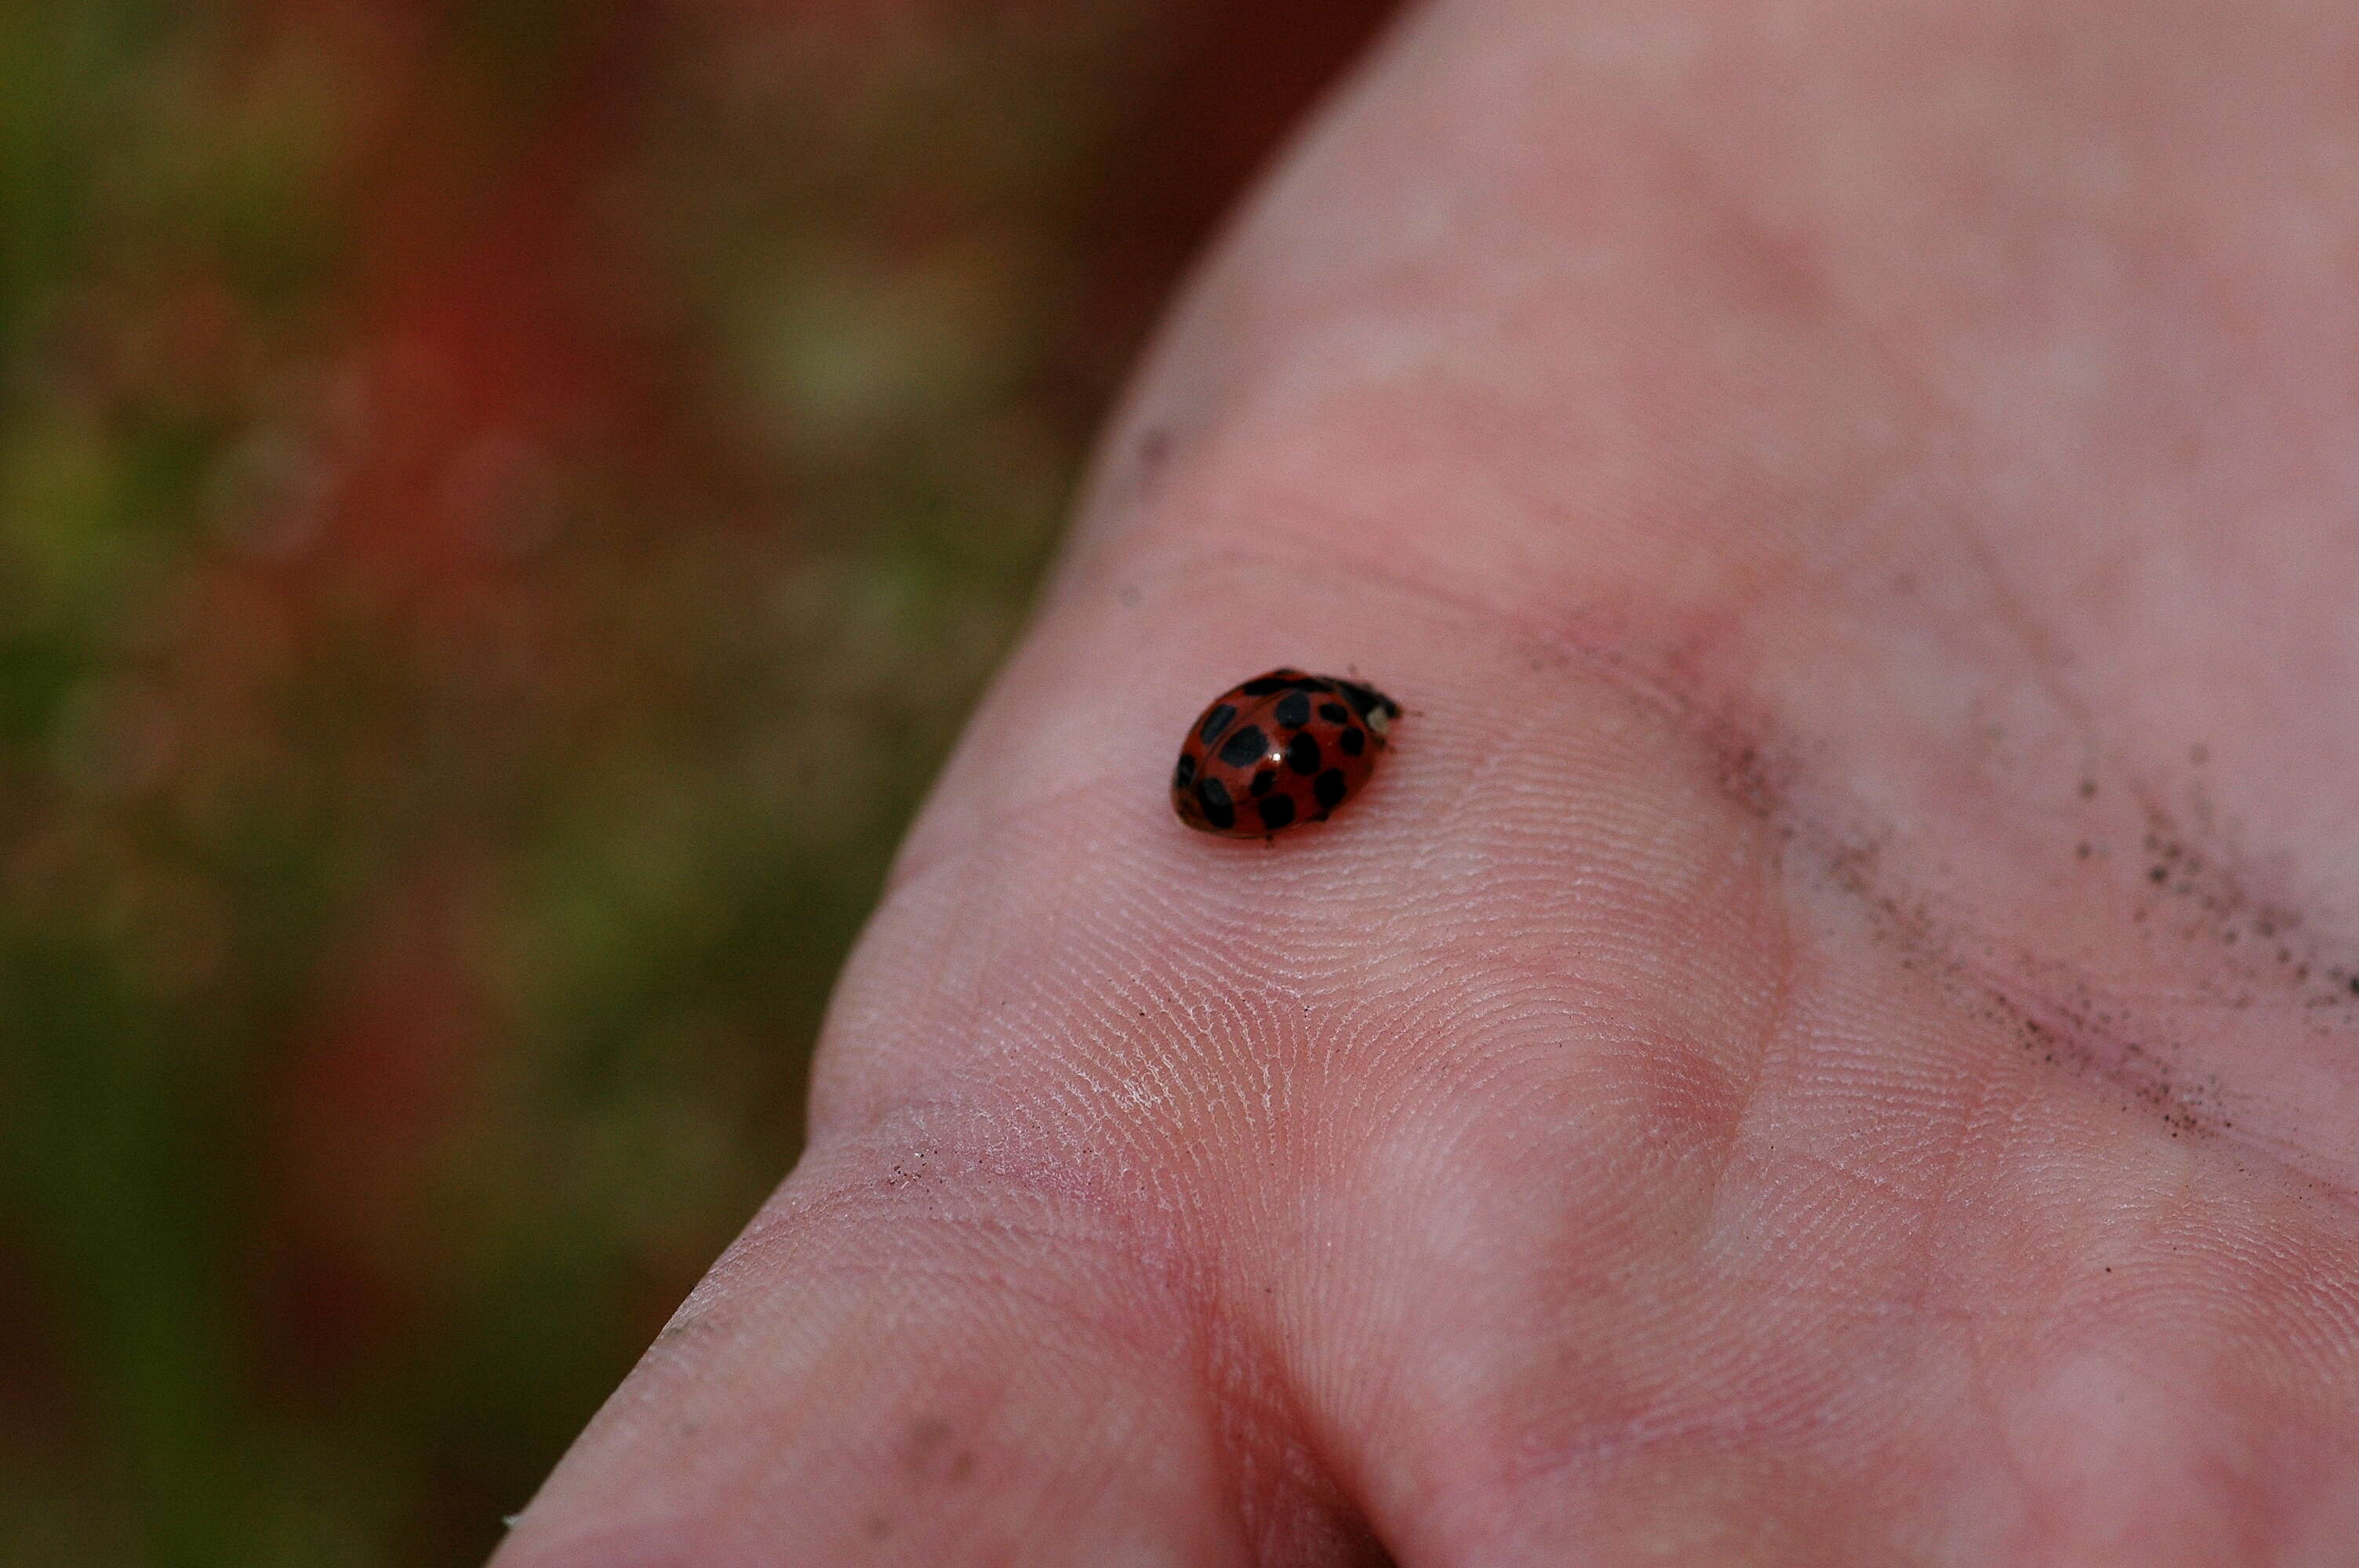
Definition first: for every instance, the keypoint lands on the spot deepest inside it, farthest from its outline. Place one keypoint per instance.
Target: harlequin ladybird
(1280, 749)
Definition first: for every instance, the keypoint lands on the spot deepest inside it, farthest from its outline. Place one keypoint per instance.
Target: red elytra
(1278, 750)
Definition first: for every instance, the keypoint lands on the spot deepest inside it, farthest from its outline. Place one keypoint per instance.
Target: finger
(908, 1360)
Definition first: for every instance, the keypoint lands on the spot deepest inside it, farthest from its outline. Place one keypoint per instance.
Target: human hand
(1833, 1037)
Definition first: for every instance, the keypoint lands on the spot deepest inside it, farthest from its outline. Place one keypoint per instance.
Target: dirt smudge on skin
(2171, 879)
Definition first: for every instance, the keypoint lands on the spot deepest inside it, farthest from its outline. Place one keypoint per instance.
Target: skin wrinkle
(1234, 1354)
(2144, 1087)
(1263, 1412)
(1776, 1020)
(2090, 1044)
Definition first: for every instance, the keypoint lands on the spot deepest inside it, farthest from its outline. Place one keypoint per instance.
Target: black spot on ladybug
(1264, 782)
(1354, 741)
(1262, 686)
(1245, 748)
(1213, 797)
(1329, 788)
(1302, 753)
(1334, 713)
(1293, 710)
(1277, 811)
(1215, 721)
(1185, 773)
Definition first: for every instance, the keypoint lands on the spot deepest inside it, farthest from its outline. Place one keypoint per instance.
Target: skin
(1830, 1038)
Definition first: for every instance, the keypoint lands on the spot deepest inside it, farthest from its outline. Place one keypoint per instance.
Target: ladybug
(1278, 750)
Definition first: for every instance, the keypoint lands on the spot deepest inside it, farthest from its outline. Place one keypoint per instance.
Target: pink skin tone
(1830, 1039)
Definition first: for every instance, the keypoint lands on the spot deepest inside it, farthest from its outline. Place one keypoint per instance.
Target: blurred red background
(503, 505)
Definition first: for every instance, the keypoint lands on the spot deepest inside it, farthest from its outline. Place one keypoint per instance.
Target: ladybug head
(1375, 708)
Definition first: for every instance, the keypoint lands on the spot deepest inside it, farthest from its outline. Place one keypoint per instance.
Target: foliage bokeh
(503, 506)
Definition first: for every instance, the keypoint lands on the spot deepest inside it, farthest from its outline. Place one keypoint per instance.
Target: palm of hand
(1834, 1038)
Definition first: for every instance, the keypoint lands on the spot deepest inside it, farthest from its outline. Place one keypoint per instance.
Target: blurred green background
(503, 506)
